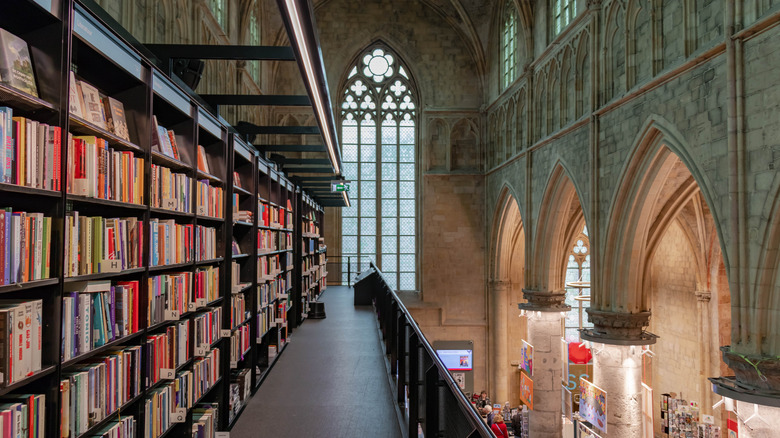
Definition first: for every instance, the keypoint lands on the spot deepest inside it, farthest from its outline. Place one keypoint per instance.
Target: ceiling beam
(303, 161)
(257, 99)
(291, 147)
(247, 128)
(228, 52)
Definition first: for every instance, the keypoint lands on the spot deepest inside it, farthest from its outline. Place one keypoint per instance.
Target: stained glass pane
(389, 207)
(407, 244)
(407, 263)
(389, 245)
(391, 280)
(350, 211)
(367, 244)
(389, 133)
(349, 244)
(389, 263)
(368, 189)
(349, 134)
(368, 152)
(406, 189)
(407, 172)
(389, 171)
(350, 171)
(349, 153)
(349, 225)
(406, 207)
(389, 189)
(368, 208)
(406, 153)
(367, 171)
(389, 226)
(367, 132)
(407, 225)
(407, 135)
(367, 226)
(389, 153)
(407, 281)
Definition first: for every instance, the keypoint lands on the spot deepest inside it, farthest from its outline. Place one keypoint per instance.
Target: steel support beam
(291, 147)
(229, 52)
(256, 99)
(247, 128)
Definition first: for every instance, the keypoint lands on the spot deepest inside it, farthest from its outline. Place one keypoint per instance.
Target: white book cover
(38, 239)
(43, 140)
(2, 154)
(85, 326)
(31, 139)
(37, 334)
(28, 338)
(67, 329)
(83, 401)
(75, 101)
(93, 107)
(18, 344)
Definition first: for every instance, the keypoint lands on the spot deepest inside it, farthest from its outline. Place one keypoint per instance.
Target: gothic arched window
(563, 13)
(577, 287)
(378, 138)
(508, 44)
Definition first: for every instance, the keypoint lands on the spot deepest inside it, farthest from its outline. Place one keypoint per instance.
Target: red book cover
(2, 246)
(172, 136)
(110, 244)
(17, 145)
(57, 158)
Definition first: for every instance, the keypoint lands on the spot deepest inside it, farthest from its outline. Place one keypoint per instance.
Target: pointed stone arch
(507, 224)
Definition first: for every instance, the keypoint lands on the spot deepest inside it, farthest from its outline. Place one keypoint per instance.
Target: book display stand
(159, 261)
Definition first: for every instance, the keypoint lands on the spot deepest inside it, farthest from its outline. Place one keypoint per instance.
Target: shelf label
(97, 35)
(202, 350)
(224, 333)
(203, 210)
(170, 204)
(179, 415)
(200, 302)
(171, 315)
(165, 89)
(191, 307)
(259, 340)
(167, 373)
(110, 266)
(222, 435)
(233, 364)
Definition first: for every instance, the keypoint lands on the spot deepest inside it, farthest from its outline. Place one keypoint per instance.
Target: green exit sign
(339, 186)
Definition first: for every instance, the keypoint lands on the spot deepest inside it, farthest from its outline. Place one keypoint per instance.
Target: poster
(566, 403)
(527, 390)
(565, 361)
(460, 379)
(593, 405)
(527, 358)
(647, 411)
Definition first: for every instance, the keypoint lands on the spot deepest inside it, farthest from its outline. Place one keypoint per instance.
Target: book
(203, 161)
(115, 116)
(16, 67)
(75, 99)
(93, 107)
(121, 248)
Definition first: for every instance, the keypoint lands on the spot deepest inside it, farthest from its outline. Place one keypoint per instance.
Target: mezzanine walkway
(331, 380)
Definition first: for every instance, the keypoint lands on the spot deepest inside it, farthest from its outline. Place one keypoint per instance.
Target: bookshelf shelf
(43, 372)
(104, 275)
(240, 256)
(170, 162)
(209, 261)
(243, 224)
(212, 178)
(210, 219)
(13, 287)
(83, 127)
(101, 349)
(23, 101)
(170, 267)
(13, 188)
(105, 202)
(166, 212)
(238, 189)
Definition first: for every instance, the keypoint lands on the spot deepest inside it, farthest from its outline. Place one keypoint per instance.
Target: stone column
(704, 338)
(617, 366)
(500, 339)
(765, 425)
(617, 369)
(544, 333)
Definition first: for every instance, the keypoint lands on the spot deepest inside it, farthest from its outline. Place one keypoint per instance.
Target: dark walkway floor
(330, 381)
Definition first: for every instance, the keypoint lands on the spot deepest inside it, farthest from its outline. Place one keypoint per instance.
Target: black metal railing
(342, 270)
(423, 386)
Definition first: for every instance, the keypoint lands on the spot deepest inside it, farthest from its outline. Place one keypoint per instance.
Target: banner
(527, 390)
(527, 358)
(593, 405)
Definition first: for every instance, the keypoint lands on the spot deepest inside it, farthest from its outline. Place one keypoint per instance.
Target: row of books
(265, 320)
(158, 408)
(23, 415)
(169, 296)
(105, 112)
(171, 191)
(166, 351)
(270, 266)
(97, 170)
(170, 243)
(95, 313)
(210, 200)
(204, 421)
(271, 291)
(240, 391)
(21, 338)
(205, 243)
(271, 240)
(273, 216)
(25, 246)
(30, 152)
(238, 310)
(206, 286)
(122, 427)
(97, 245)
(200, 378)
(239, 343)
(97, 389)
(207, 328)
(235, 277)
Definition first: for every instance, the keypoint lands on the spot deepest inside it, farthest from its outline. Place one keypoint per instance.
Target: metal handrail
(480, 429)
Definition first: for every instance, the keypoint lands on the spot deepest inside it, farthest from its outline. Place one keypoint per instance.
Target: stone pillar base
(617, 369)
(544, 333)
(618, 328)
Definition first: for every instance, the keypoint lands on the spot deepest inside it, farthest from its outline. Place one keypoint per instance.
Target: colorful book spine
(210, 200)
(96, 170)
(170, 243)
(168, 297)
(205, 243)
(171, 191)
(25, 246)
(102, 245)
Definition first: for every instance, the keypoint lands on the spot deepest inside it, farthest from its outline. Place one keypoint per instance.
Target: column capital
(703, 295)
(758, 372)
(620, 328)
(544, 301)
(494, 284)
